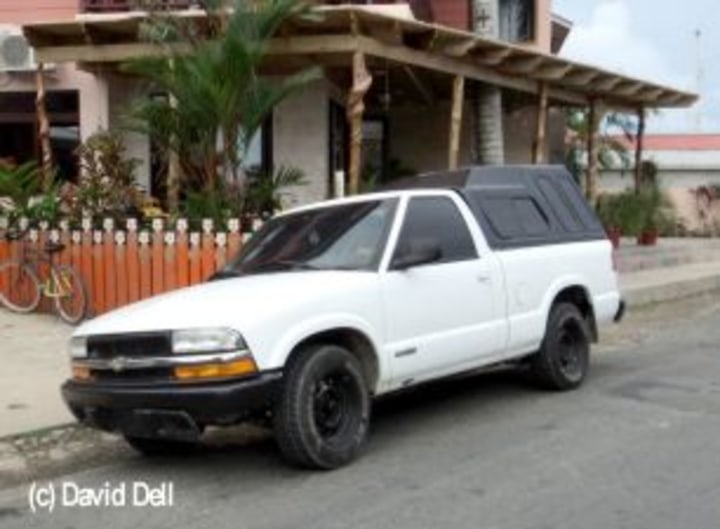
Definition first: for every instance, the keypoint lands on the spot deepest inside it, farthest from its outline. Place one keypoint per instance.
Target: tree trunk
(488, 141)
(44, 130)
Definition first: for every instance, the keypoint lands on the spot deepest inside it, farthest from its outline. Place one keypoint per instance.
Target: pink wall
(23, 11)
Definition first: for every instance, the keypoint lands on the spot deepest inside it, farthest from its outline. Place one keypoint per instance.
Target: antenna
(699, 79)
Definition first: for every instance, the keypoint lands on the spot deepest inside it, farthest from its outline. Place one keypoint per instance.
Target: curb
(37, 432)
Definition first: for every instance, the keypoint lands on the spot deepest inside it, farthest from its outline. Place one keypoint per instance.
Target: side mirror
(418, 254)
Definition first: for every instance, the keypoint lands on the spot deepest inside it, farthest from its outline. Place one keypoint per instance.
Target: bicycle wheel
(19, 287)
(70, 299)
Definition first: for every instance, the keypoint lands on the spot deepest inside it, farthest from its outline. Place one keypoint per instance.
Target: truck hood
(238, 302)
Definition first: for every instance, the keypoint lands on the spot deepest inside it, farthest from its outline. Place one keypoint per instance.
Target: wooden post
(592, 153)
(639, 147)
(456, 117)
(43, 129)
(540, 143)
(362, 80)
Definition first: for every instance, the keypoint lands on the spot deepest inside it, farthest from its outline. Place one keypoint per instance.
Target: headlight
(78, 347)
(206, 341)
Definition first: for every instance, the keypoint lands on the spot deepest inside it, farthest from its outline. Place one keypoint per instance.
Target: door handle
(484, 279)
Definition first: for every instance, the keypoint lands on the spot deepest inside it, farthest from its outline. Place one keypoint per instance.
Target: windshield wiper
(288, 264)
(224, 274)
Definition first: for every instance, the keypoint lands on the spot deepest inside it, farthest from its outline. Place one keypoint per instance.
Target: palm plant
(216, 98)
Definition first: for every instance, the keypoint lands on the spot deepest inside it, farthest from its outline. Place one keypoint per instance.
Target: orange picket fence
(121, 265)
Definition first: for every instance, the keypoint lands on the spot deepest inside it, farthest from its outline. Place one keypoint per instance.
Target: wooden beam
(554, 72)
(362, 81)
(593, 168)
(494, 57)
(607, 85)
(540, 143)
(651, 94)
(467, 68)
(425, 91)
(459, 49)
(524, 65)
(44, 130)
(639, 147)
(456, 116)
(325, 44)
(628, 89)
(581, 78)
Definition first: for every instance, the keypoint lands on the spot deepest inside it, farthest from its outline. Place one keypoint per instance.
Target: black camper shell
(518, 206)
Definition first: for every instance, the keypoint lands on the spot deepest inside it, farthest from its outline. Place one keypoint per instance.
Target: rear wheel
(70, 300)
(19, 287)
(564, 357)
(322, 418)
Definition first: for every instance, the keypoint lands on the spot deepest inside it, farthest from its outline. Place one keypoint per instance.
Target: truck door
(443, 316)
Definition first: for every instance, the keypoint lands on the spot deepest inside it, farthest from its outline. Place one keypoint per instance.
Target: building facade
(408, 109)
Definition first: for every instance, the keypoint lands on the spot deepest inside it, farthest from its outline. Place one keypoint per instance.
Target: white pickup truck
(331, 305)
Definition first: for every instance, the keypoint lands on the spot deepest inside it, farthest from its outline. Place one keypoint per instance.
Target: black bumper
(111, 406)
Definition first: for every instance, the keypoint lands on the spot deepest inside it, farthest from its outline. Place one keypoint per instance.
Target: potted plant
(656, 215)
(609, 211)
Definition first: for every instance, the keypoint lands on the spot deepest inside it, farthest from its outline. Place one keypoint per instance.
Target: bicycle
(21, 288)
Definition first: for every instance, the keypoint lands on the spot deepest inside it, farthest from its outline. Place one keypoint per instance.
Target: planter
(648, 238)
(614, 233)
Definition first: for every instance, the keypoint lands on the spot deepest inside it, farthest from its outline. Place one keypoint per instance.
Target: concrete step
(668, 253)
(659, 285)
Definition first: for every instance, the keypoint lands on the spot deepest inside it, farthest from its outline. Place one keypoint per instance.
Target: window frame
(402, 214)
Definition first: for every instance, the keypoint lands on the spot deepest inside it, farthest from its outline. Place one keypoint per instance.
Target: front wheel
(19, 287)
(70, 297)
(564, 357)
(322, 417)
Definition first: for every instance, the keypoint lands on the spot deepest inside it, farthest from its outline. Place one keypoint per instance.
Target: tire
(19, 287)
(72, 307)
(321, 420)
(564, 357)
(160, 447)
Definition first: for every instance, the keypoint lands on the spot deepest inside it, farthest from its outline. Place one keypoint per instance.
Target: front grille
(133, 375)
(106, 347)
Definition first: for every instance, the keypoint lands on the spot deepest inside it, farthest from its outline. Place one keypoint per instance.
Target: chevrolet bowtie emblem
(118, 364)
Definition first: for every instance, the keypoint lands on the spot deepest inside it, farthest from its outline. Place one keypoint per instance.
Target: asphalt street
(636, 448)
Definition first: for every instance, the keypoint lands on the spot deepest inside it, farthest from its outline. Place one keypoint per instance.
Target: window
(517, 20)
(561, 205)
(436, 220)
(345, 237)
(514, 217)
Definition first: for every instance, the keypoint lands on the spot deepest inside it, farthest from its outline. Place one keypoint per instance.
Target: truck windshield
(345, 237)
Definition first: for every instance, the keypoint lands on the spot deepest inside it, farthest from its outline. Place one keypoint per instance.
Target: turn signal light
(81, 373)
(244, 366)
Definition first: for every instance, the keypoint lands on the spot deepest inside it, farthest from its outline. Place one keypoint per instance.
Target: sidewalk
(34, 365)
(674, 269)
(34, 359)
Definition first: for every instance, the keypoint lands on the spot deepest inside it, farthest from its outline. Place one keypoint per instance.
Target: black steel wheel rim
(334, 404)
(571, 351)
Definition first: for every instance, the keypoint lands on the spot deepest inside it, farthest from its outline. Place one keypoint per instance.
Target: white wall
(300, 139)
(121, 92)
(419, 136)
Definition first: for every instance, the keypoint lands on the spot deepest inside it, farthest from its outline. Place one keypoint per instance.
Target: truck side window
(437, 220)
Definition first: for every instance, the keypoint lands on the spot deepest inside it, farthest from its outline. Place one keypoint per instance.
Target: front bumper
(147, 409)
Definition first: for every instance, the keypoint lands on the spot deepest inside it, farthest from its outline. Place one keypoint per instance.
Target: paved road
(636, 448)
